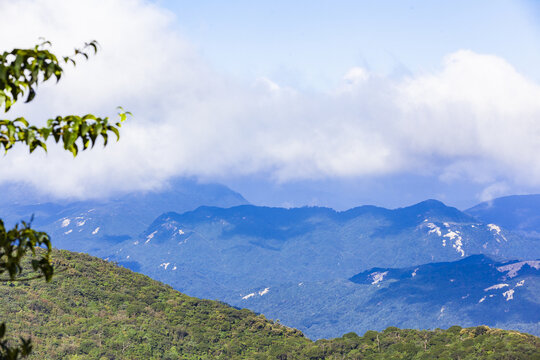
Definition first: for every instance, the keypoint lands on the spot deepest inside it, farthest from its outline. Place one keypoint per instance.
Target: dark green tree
(21, 71)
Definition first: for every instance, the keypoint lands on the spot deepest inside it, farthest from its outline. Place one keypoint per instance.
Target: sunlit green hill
(96, 310)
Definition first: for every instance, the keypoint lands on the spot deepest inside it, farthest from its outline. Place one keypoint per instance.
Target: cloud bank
(475, 118)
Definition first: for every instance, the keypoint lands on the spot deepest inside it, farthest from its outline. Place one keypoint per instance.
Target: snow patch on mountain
(509, 295)
(513, 269)
(260, 293)
(497, 230)
(164, 265)
(263, 292)
(434, 229)
(150, 237)
(65, 223)
(96, 230)
(458, 241)
(377, 277)
(495, 287)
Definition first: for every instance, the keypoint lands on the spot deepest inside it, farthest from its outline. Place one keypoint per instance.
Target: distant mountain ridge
(475, 290)
(518, 213)
(93, 225)
(228, 254)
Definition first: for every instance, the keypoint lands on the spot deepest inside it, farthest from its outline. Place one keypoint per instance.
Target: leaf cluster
(21, 71)
(64, 129)
(8, 352)
(16, 243)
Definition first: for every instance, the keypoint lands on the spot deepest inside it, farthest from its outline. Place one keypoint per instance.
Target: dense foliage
(93, 309)
(21, 71)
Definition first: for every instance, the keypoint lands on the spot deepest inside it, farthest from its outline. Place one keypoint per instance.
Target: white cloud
(476, 118)
(493, 191)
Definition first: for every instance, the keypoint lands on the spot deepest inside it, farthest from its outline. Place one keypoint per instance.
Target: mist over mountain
(92, 225)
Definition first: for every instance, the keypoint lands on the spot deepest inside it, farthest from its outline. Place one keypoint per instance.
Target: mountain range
(229, 251)
(94, 225)
(303, 265)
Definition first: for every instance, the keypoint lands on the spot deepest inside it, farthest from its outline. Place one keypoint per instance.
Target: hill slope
(95, 310)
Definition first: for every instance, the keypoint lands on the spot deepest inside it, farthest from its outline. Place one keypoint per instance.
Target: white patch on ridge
(482, 300)
(81, 223)
(181, 232)
(248, 296)
(174, 268)
(265, 291)
(68, 232)
(521, 283)
(96, 230)
(378, 277)
(458, 243)
(509, 295)
(495, 287)
(164, 265)
(150, 237)
(514, 268)
(414, 272)
(65, 223)
(497, 229)
(434, 229)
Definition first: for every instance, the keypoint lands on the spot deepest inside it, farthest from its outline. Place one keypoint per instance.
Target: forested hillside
(95, 310)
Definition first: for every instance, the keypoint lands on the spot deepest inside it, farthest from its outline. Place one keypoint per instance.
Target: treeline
(95, 310)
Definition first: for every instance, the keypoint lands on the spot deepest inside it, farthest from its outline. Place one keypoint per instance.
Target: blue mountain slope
(472, 291)
(91, 226)
(519, 213)
(227, 252)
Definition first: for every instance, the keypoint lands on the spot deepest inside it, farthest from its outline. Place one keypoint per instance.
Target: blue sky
(294, 103)
(313, 43)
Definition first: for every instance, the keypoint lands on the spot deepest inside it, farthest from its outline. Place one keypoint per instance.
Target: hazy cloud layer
(475, 118)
